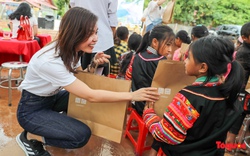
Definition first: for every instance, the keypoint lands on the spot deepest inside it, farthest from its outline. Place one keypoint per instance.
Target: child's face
(165, 48)
(246, 39)
(87, 46)
(191, 67)
(178, 42)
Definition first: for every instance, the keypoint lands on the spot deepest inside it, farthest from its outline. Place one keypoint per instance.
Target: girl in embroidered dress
(197, 120)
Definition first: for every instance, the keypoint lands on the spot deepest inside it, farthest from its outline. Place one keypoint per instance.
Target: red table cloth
(44, 38)
(11, 49)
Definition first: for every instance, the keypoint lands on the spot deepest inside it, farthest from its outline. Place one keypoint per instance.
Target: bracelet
(92, 64)
(88, 68)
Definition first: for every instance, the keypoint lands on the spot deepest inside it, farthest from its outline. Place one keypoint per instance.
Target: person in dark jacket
(155, 46)
(243, 56)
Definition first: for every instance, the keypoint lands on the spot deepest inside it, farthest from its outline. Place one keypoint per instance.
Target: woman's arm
(160, 2)
(11, 26)
(35, 30)
(80, 89)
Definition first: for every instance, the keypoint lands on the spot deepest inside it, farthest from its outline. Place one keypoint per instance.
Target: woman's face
(165, 48)
(88, 45)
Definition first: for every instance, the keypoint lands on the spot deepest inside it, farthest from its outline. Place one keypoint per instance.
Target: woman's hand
(101, 58)
(146, 94)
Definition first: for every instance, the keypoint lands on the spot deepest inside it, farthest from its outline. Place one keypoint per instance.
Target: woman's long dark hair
(161, 32)
(76, 26)
(23, 9)
(217, 53)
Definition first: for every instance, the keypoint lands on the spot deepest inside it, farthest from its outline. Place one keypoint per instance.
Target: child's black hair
(217, 52)
(133, 43)
(245, 30)
(121, 33)
(161, 32)
(183, 35)
(199, 31)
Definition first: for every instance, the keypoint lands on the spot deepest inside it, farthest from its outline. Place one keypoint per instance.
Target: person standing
(105, 10)
(154, 14)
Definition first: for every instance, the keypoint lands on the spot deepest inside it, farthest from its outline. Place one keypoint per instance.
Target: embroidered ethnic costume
(196, 109)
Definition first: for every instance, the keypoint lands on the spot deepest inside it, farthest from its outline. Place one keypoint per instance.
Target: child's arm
(178, 118)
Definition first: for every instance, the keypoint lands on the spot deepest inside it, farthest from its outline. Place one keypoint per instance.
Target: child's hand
(149, 105)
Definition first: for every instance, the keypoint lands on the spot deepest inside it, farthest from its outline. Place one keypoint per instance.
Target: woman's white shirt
(46, 74)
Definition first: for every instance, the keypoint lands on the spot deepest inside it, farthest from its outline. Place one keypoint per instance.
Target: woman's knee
(82, 138)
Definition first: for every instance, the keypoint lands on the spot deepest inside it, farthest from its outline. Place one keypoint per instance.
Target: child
(238, 43)
(49, 80)
(197, 120)
(181, 37)
(121, 46)
(243, 56)
(199, 31)
(133, 43)
(155, 46)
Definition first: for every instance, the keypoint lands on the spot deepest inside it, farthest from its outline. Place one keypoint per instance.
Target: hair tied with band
(229, 67)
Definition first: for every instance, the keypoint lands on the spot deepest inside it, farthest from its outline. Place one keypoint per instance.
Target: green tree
(61, 5)
(212, 12)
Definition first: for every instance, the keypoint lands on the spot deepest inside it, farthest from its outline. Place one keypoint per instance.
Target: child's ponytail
(233, 82)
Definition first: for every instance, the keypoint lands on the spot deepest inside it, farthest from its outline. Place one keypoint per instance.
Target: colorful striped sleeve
(179, 116)
(128, 75)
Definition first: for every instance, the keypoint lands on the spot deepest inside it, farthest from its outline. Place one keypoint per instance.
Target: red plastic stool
(140, 143)
(161, 153)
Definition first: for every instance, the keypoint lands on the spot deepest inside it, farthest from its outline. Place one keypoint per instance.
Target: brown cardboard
(169, 78)
(168, 12)
(106, 120)
(183, 51)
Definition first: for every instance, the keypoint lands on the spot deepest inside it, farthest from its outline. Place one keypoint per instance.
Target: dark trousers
(40, 115)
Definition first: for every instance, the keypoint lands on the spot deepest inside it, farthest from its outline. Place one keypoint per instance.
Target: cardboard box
(106, 120)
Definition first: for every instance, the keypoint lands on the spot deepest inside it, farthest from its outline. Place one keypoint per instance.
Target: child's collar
(203, 78)
(151, 50)
(214, 81)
